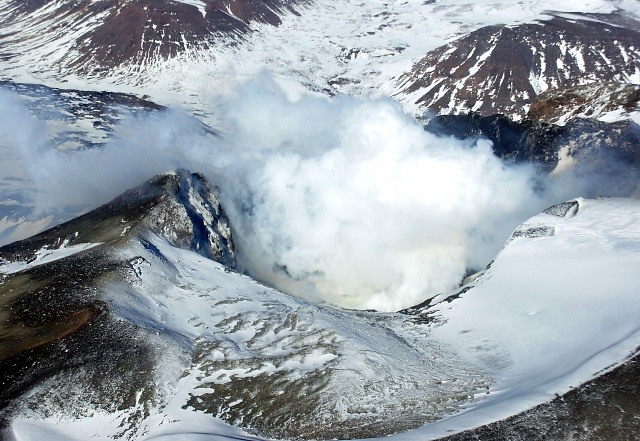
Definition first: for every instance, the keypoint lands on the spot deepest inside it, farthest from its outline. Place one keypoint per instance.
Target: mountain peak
(179, 206)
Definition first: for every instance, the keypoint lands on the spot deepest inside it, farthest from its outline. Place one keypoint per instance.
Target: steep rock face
(190, 216)
(91, 37)
(604, 148)
(501, 69)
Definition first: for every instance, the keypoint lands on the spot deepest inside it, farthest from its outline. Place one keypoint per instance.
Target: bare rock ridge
(501, 69)
(178, 206)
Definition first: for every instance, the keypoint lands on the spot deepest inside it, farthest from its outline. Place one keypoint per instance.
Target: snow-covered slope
(357, 48)
(501, 69)
(131, 322)
(557, 306)
(214, 349)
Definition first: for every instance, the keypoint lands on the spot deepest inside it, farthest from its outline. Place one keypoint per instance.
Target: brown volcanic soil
(53, 325)
(27, 339)
(57, 331)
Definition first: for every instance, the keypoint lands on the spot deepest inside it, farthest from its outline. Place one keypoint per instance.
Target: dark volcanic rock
(563, 209)
(501, 69)
(525, 141)
(598, 146)
(177, 206)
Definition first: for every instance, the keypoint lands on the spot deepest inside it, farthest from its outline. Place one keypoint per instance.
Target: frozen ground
(343, 46)
(557, 307)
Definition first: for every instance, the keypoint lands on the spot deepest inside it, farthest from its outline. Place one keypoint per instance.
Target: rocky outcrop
(603, 148)
(613, 101)
(190, 216)
(178, 206)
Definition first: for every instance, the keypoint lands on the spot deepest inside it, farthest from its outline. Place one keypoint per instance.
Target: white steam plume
(367, 210)
(345, 201)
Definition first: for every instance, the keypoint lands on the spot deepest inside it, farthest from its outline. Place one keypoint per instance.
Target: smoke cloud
(343, 201)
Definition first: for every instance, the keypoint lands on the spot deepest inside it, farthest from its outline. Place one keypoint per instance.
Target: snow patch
(45, 255)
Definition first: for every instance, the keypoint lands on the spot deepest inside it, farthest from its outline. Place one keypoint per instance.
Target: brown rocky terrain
(606, 408)
(588, 101)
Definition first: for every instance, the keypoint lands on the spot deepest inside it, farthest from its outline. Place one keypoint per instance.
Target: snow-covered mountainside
(602, 408)
(192, 53)
(135, 321)
(545, 283)
(88, 36)
(501, 69)
(130, 322)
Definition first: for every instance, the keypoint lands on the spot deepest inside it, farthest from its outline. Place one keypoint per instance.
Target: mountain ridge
(501, 69)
